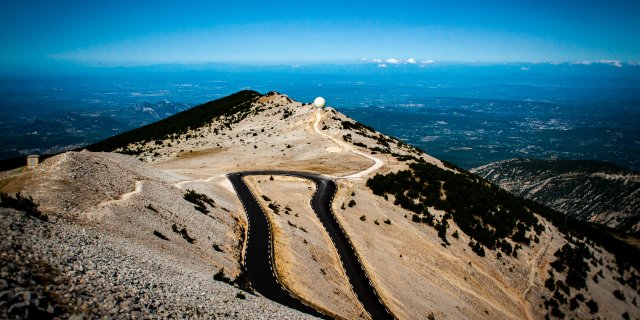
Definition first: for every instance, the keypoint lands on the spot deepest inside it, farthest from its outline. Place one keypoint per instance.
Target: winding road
(258, 260)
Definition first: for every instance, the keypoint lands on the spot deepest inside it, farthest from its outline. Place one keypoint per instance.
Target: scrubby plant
(199, 200)
(183, 232)
(160, 235)
(22, 203)
(492, 216)
(618, 294)
(220, 276)
(574, 259)
(593, 306)
(275, 207)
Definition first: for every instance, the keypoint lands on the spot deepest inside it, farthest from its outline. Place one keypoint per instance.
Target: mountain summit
(163, 221)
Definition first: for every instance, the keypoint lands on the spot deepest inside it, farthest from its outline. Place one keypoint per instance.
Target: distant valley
(587, 190)
(51, 132)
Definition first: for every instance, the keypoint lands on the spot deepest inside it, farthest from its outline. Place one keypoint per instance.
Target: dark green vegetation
(486, 213)
(234, 107)
(498, 220)
(21, 203)
(575, 260)
(199, 200)
(241, 281)
(384, 142)
(220, 276)
(183, 232)
(160, 235)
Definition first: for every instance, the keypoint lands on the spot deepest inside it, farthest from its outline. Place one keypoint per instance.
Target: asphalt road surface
(259, 260)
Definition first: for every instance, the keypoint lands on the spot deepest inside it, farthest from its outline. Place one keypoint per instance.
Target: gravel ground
(69, 270)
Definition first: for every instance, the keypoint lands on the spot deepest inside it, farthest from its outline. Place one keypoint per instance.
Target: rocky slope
(126, 239)
(588, 190)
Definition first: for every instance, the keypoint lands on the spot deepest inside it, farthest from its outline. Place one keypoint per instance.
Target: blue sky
(42, 34)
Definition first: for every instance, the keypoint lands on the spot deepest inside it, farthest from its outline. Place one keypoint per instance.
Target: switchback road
(258, 258)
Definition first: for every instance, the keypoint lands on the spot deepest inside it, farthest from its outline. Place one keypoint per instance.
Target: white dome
(319, 102)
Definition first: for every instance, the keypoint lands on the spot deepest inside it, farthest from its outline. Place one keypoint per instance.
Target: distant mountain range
(596, 191)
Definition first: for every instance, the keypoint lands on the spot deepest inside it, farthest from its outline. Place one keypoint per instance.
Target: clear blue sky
(128, 33)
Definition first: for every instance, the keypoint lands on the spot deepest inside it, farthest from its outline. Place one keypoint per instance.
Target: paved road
(258, 259)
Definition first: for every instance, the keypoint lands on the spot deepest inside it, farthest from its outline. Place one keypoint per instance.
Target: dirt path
(377, 163)
(124, 197)
(534, 263)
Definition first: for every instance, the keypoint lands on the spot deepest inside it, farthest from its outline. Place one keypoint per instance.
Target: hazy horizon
(48, 37)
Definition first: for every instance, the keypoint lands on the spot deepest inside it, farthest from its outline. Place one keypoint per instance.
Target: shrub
(573, 259)
(160, 235)
(555, 311)
(183, 233)
(550, 284)
(477, 248)
(220, 276)
(387, 221)
(352, 203)
(492, 216)
(363, 218)
(240, 295)
(618, 294)
(274, 207)
(242, 282)
(573, 304)
(24, 204)
(442, 231)
(593, 306)
(199, 200)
